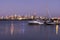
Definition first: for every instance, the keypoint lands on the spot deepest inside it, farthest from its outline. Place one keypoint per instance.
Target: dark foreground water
(20, 30)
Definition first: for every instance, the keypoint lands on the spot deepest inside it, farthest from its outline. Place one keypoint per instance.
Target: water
(20, 30)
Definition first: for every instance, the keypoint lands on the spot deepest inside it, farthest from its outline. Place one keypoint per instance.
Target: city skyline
(29, 7)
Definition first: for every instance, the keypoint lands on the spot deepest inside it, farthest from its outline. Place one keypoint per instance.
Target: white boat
(35, 22)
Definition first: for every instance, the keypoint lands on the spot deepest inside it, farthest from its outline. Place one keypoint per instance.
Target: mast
(34, 14)
(47, 10)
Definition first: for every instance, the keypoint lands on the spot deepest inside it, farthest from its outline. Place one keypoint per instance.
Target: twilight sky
(29, 7)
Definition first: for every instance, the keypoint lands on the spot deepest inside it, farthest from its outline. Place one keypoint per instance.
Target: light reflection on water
(57, 29)
(12, 30)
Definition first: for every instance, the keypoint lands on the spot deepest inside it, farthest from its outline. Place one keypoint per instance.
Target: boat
(35, 22)
(49, 22)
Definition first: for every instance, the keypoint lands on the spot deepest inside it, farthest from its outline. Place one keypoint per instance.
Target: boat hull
(51, 23)
(35, 23)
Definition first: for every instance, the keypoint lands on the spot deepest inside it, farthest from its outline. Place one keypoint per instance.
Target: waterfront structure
(15, 17)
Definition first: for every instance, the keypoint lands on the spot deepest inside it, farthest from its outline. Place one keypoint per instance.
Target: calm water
(20, 30)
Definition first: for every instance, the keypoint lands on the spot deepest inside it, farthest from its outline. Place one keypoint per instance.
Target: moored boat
(35, 22)
(49, 22)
